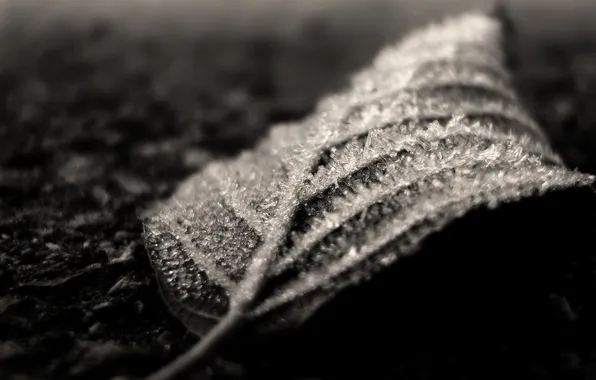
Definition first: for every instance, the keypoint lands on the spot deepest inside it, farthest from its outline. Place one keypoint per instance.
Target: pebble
(97, 328)
(133, 185)
(27, 252)
(80, 169)
(44, 232)
(102, 306)
(100, 195)
(53, 247)
(107, 247)
(123, 255)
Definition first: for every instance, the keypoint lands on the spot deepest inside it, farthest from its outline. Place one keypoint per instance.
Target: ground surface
(90, 136)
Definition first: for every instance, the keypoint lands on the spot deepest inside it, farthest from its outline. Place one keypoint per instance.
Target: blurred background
(181, 50)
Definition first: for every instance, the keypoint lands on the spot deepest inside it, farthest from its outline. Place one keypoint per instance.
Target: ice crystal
(431, 130)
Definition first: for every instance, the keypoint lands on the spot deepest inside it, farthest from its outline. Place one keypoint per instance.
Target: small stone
(80, 169)
(122, 255)
(97, 328)
(133, 185)
(53, 247)
(107, 247)
(102, 306)
(27, 252)
(44, 232)
(100, 195)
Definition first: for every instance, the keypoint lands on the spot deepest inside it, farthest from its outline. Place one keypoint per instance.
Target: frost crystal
(431, 130)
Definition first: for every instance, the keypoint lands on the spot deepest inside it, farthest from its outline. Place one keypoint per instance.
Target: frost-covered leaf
(431, 130)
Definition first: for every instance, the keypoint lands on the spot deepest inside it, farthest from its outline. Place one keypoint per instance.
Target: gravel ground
(94, 129)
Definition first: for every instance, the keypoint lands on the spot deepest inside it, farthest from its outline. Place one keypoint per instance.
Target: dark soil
(94, 129)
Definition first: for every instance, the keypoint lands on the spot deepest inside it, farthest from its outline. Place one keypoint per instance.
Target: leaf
(431, 130)
(92, 268)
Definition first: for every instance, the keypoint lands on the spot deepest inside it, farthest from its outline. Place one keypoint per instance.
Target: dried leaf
(431, 130)
(61, 280)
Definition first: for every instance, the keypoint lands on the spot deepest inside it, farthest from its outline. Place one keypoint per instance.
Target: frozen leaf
(431, 130)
